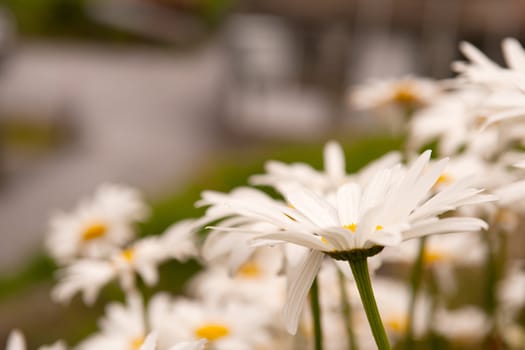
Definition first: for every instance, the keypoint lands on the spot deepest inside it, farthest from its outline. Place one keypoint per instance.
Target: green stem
(316, 315)
(362, 280)
(415, 283)
(347, 313)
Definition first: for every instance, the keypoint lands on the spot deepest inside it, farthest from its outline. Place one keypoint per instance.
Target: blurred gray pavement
(142, 116)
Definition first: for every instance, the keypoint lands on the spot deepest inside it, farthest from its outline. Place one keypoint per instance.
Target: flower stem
(347, 313)
(316, 315)
(415, 283)
(362, 280)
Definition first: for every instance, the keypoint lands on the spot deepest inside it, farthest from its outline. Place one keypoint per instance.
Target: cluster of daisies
(409, 248)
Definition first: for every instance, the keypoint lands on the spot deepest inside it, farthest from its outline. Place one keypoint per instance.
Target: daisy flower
(151, 344)
(323, 182)
(123, 328)
(442, 254)
(258, 280)
(126, 326)
(453, 120)
(395, 205)
(231, 326)
(142, 257)
(506, 100)
(511, 291)
(406, 93)
(16, 341)
(98, 225)
(462, 326)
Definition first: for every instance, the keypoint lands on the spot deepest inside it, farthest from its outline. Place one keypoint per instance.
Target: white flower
(407, 92)
(16, 341)
(511, 291)
(482, 70)
(323, 182)
(443, 253)
(333, 175)
(231, 326)
(142, 257)
(256, 281)
(98, 225)
(393, 206)
(506, 86)
(453, 120)
(123, 328)
(233, 245)
(151, 344)
(466, 325)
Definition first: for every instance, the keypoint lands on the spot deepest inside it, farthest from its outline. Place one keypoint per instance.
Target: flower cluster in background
(409, 251)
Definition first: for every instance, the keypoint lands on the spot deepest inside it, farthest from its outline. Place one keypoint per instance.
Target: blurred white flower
(511, 291)
(443, 254)
(322, 182)
(506, 86)
(256, 281)
(453, 120)
(464, 326)
(16, 341)
(98, 226)
(229, 326)
(151, 344)
(408, 92)
(481, 70)
(123, 328)
(142, 257)
(233, 245)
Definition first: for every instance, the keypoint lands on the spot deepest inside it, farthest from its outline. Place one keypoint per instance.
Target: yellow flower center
(137, 343)
(95, 230)
(212, 331)
(406, 95)
(352, 227)
(128, 255)
(397, 324)
(249, 270)
(379, 227)
(432, 256)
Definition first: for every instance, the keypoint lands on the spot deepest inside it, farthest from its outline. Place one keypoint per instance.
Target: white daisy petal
(300, 281)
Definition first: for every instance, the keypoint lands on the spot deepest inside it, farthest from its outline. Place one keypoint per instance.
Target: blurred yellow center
(405, 94)
(379, 228)
(249, 270)
(137, 343)
(128, 255)
(352, 227)
(94, 231)
(397, 324)
(431, 257)
(212, 331)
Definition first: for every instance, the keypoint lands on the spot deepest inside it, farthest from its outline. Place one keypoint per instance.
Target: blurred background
(176, 96)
